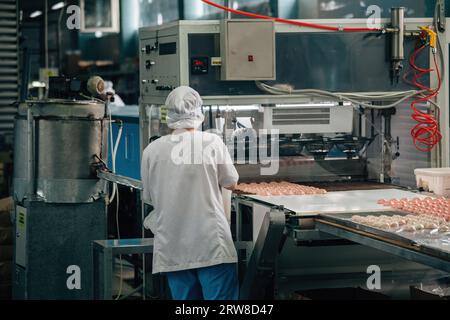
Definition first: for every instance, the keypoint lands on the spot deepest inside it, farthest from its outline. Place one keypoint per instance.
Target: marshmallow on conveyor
(436, 207)
(409, 223)
(278, 189)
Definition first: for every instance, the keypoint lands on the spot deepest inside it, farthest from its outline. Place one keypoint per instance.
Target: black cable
(240, 125)
(439, 44)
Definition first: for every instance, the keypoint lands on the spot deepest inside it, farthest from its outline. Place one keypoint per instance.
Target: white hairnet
(184, 109)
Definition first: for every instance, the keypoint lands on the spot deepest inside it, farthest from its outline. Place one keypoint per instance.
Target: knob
(144, 81)
(148, 48)
(155, 81)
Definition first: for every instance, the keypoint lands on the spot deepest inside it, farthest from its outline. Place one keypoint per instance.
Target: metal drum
(57, 144)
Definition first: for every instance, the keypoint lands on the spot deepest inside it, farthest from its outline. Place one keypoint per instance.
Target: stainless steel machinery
(337, 118)
(60, 202)
(351, 66)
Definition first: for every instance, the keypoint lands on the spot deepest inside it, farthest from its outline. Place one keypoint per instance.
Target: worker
(193, 245)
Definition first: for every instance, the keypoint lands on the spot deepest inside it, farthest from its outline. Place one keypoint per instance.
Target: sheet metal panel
(341, 62)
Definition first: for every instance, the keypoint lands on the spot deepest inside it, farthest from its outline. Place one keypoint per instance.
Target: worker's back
(182, 176)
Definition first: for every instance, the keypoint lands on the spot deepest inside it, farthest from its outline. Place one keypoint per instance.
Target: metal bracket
(124, 181)
(441, 15)
(261, 266)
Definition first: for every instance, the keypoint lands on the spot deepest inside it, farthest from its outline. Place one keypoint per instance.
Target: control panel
(222, 60)
(228, 56)
(159, 66)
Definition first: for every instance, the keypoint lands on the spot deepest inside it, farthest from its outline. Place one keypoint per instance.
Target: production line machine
(323, 107)
(60, 203)
(313, 107)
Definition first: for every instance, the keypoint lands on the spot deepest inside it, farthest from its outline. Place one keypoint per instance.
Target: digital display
(199, 65)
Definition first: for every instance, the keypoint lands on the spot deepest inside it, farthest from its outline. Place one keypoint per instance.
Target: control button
(149, 64)
(155, 81)
(150, 48)
(144, 81)
(251, 58)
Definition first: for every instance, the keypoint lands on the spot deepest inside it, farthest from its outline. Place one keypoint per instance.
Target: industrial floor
(128, 289)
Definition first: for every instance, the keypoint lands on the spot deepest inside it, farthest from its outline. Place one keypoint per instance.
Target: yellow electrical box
(432, 34)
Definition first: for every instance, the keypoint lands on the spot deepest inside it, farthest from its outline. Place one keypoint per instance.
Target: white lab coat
(183, 175)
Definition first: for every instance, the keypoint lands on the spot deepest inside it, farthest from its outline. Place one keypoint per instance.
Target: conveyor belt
(332, 214)
(428, 255)
(344, 220)
(357, 201)
(435, 243)
(351, 186)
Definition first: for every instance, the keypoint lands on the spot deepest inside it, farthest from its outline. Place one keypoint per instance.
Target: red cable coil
(426, 134)
(288, 21)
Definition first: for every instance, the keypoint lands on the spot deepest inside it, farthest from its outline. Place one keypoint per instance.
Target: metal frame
(264, 255)
(372, 241)
(103, 255)
(441, 156)
(103, 258)
(313, 229)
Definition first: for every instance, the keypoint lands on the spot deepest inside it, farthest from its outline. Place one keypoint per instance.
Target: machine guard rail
(123, 181)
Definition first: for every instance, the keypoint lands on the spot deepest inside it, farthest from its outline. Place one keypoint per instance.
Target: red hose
(287, 21)
(426, 134)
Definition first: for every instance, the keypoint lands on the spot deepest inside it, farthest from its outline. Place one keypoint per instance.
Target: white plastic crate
(434, 180)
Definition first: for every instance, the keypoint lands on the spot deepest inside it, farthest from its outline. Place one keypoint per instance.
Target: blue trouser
(218, 282)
